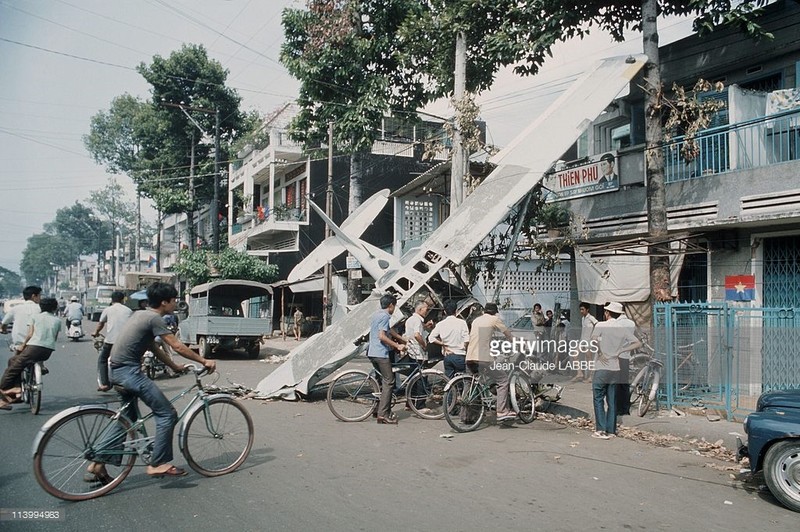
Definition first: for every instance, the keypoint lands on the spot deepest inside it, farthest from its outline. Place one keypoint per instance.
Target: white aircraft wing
(520, 167)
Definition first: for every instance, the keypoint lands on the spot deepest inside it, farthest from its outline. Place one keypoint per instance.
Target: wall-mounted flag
(740, 287)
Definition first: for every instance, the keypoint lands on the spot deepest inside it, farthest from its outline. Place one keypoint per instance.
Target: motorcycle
(152, 365)
(75, 330)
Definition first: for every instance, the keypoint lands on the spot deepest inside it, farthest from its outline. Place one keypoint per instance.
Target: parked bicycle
(353, 395)
(468, 397)
(215, 436)
(644, 386)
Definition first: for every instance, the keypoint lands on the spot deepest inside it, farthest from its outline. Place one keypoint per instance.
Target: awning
(314, 284)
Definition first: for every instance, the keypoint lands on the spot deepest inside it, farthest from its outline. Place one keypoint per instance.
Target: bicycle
(468, 397)
(644, 387)
(215, 437)
(31, 384)
(353, 395)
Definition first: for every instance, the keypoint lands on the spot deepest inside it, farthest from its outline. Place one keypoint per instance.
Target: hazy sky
(62, 61)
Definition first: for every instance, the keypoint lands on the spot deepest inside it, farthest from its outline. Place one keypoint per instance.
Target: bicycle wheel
(353, 395)
(32, 387)
(522, 400)
(636, 386)
(685, 373)
(649, 392)
(425, 394)
(64, 453)
(217, 437)
(464, 404)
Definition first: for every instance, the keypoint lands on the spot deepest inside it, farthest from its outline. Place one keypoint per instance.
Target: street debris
(699, 447)
(275, 359)
(237, 390)
(446, 436)
(713, 417)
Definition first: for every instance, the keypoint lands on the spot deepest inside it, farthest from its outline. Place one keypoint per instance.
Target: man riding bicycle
(21, 316)
(481, 359)
(137, 336)
(37, 346)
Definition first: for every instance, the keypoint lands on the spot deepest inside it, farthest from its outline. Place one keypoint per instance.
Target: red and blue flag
(740, 287)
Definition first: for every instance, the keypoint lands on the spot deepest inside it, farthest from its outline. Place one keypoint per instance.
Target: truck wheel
(782, 472)
(205, 347)
(254, 349)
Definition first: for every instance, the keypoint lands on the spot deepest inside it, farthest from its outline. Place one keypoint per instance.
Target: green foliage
(151, 142)
(203, 266)
(10, 283)
(44, 251)
(79, 229)
(348, 59)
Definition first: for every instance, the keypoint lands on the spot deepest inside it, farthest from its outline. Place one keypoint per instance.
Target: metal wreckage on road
(419, 273)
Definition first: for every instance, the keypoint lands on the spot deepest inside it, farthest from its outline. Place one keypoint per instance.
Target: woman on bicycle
(38, 345)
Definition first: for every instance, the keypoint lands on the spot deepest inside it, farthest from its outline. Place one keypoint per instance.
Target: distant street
(308, 471)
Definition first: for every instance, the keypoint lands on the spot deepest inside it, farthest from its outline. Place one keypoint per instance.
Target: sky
(62, 61)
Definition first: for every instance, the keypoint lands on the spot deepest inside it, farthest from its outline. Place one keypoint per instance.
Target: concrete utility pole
(215, 204)
(326, 299)
(460, 157)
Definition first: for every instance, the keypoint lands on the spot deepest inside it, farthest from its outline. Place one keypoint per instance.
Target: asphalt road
(309, 471)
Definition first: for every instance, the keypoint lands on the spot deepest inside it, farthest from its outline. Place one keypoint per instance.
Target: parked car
(773, 444)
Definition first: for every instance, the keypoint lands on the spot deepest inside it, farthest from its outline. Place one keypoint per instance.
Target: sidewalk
(690, 431)
(683, 428)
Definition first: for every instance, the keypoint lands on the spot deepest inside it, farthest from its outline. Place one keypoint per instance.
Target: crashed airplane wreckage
(417, 275)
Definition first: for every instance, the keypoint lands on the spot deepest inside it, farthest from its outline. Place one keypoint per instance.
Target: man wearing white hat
(74, 310)
(612, 339)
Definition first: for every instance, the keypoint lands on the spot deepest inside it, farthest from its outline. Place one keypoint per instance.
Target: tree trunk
(356, 179)
(654, 158)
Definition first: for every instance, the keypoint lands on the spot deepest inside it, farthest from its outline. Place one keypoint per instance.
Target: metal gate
(726, 355)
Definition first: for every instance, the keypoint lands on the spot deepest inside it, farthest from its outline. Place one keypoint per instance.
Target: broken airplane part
(520, 166)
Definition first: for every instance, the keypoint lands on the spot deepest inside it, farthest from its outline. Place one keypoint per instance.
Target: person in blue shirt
(382, 339)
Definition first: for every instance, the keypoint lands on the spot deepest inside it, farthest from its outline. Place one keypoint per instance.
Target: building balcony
(272, 234)
(743, 176)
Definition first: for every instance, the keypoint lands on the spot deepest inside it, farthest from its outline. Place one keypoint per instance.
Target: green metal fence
(726, 355)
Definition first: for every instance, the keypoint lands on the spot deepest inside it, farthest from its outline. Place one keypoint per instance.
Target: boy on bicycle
(37, 346)
(137, 336)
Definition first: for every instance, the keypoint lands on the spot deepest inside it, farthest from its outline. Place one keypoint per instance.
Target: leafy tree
(347, 59)
(79, 228)
(10, 283)
(202, 266)
(45, 250)
(167, 156)
(506, 32)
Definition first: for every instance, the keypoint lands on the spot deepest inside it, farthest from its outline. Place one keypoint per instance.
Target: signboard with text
(597, 175)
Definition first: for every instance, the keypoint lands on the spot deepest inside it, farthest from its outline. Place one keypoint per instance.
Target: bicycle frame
(140, 445)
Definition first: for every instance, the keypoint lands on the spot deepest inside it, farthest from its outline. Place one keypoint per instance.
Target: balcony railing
(753, 143)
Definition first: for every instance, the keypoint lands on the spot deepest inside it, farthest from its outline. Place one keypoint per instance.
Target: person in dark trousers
(381, 340)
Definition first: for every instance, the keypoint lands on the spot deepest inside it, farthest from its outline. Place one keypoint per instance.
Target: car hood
(779, 399)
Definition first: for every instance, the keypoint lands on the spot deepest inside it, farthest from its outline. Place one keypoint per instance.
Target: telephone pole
(326, 299)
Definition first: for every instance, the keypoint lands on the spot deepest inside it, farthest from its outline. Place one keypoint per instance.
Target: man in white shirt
(612, 339)
(74, 310)
(21, 315)
(417, 346)
(115, 316)
(452, 334)
(587, 328)
(479, 354)
(623, 387)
